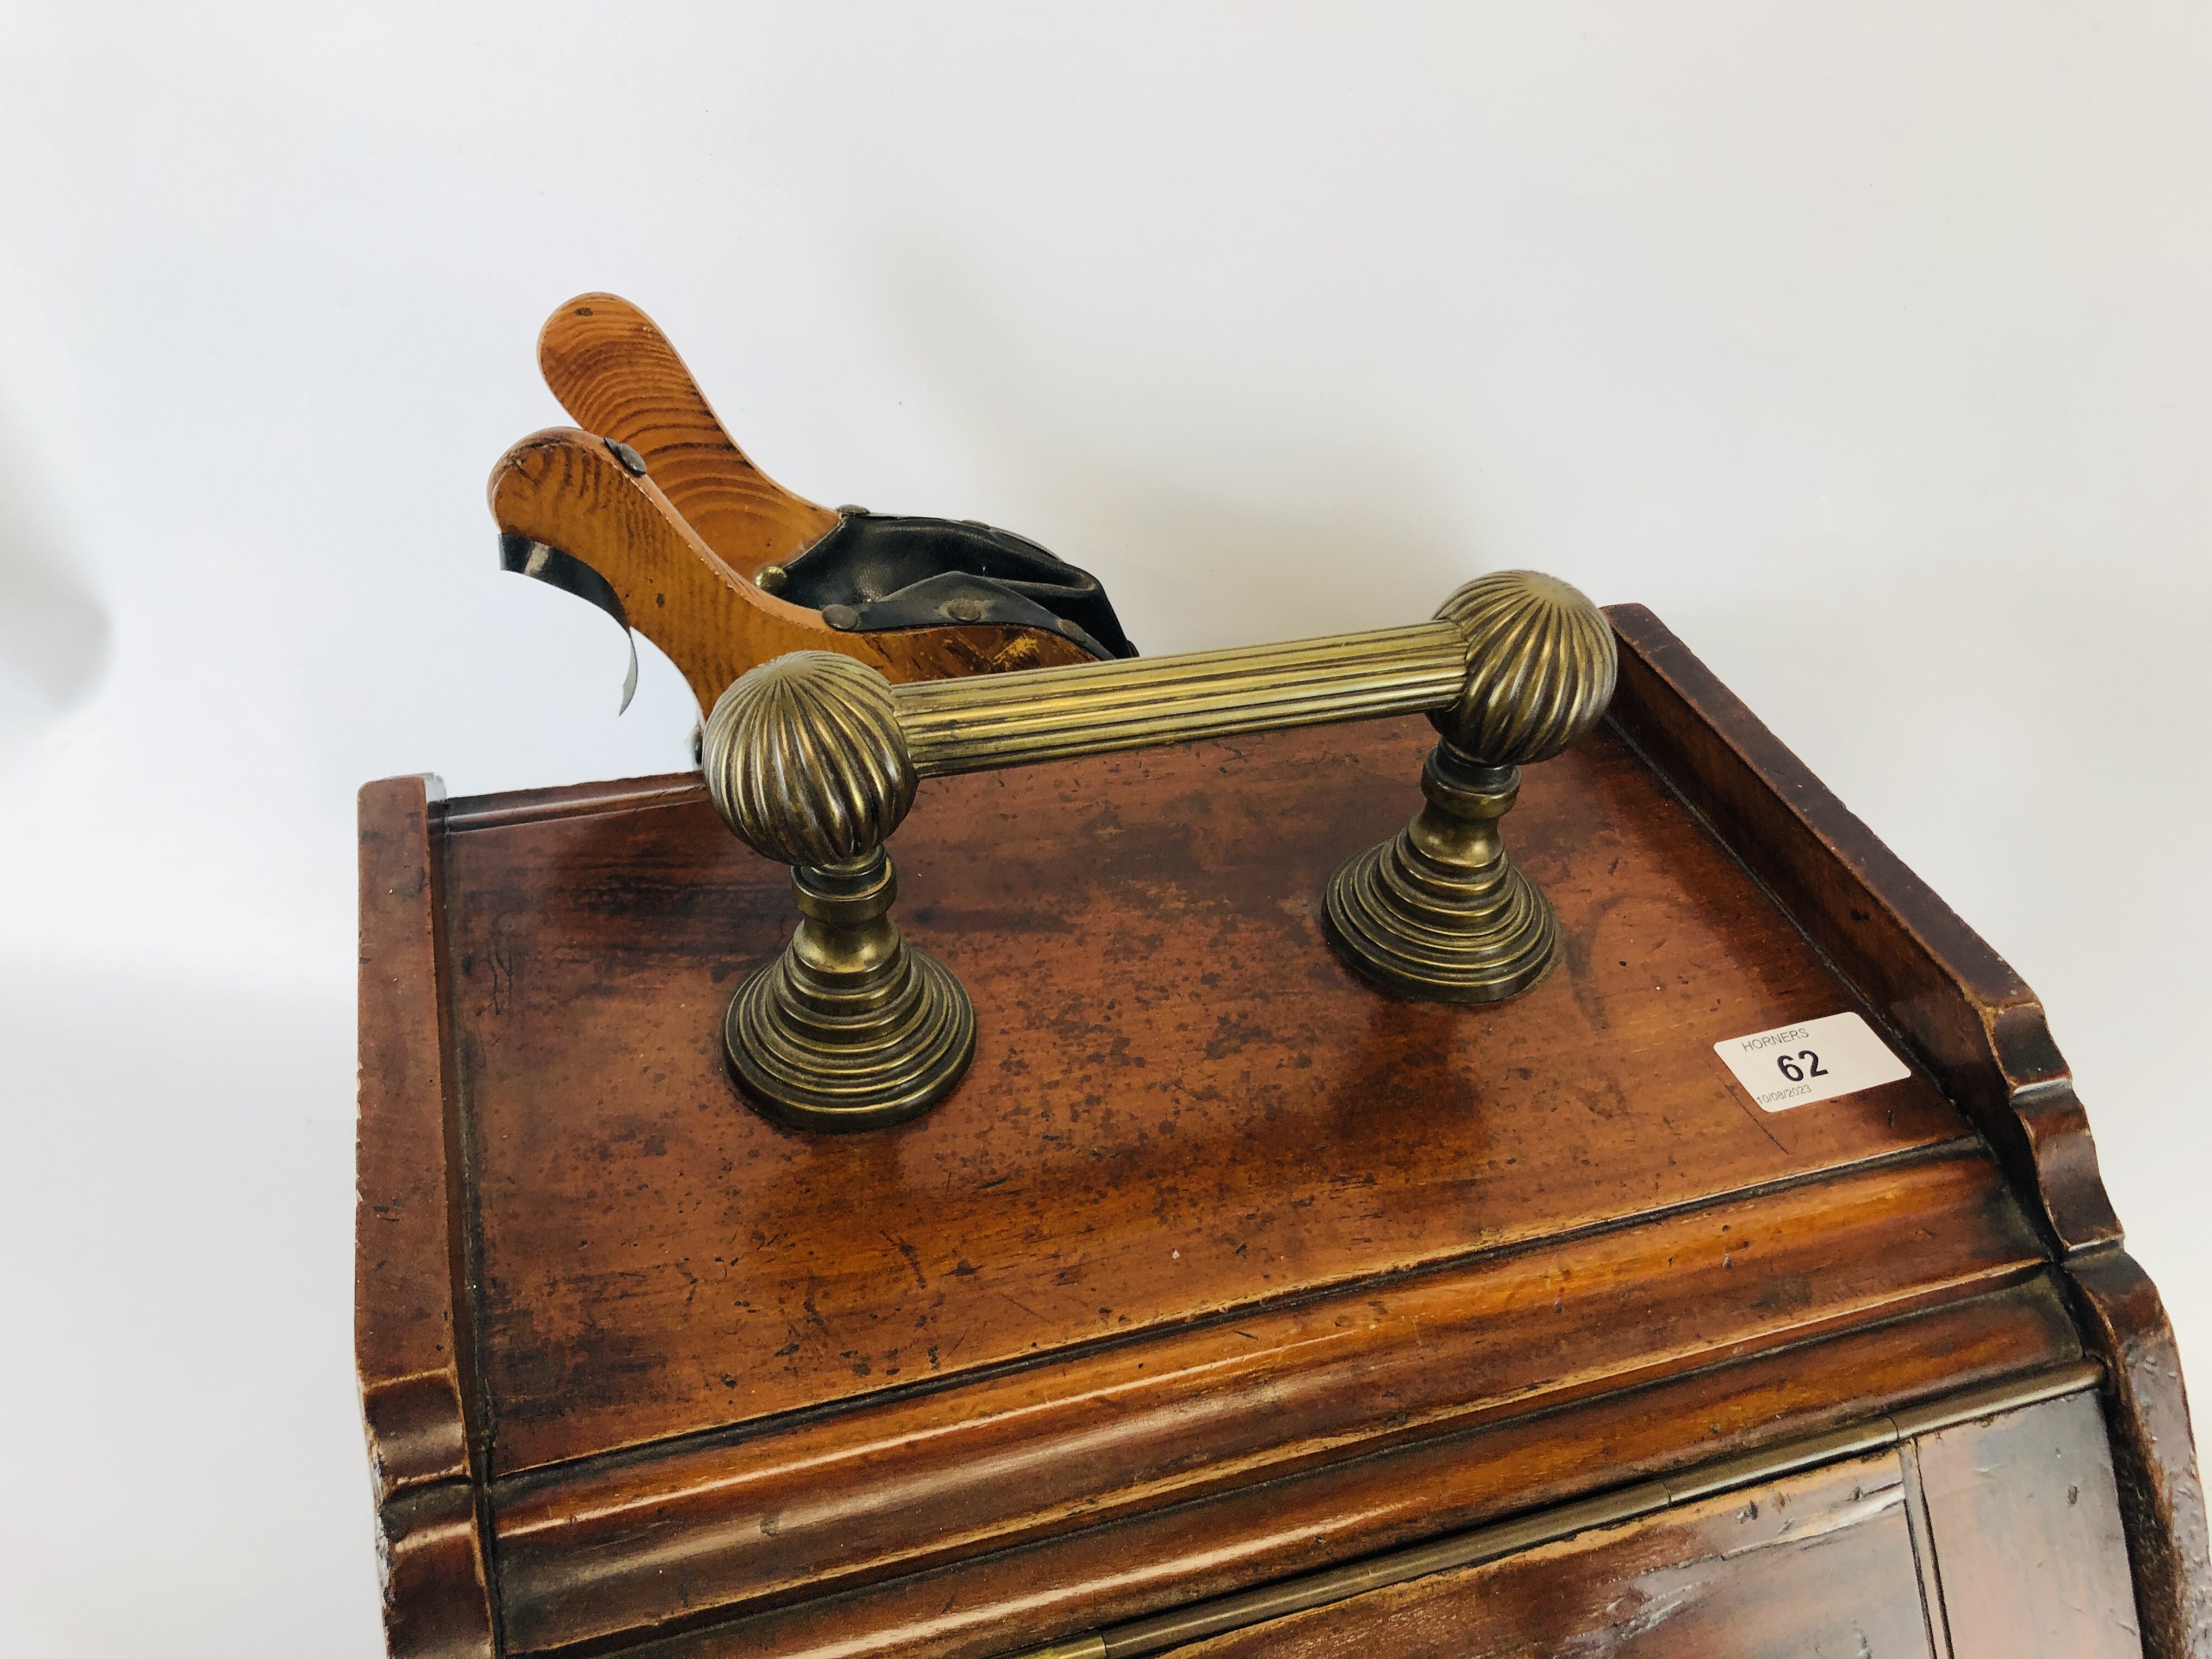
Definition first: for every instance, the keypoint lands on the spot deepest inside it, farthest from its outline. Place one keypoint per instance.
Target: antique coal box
(1224, 1296)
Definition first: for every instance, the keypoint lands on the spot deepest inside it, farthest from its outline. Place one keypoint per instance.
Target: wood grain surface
(1148, 1563)
(1221, 1265)
(1181, 1104)
(1113, 1151)
(1968, 1015)
(2153, 1451)
(411, 1336)
(1983, 1035)
(2025, 1522)
(561, 487)
(619, 377)
(957, 1472)
(1817, 1564)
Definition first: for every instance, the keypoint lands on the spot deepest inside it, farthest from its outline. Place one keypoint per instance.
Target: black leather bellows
(875, 572)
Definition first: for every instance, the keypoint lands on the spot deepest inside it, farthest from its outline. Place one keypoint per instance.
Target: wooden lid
(1213, 1236)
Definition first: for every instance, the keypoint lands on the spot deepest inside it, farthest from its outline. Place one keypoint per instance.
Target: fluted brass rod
(1090, 708)
(812, 759)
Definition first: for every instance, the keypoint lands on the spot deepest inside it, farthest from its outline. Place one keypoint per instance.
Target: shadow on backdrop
(54, 631)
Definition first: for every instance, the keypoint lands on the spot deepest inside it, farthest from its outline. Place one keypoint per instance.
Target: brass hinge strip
(1468, 1549)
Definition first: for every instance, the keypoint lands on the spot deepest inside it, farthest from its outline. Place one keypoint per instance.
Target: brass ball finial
(805, 761)
(850, 1027)
(1541, 665)
(1441, 912)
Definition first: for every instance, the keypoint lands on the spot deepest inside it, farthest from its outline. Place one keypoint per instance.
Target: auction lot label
(1815, 1059)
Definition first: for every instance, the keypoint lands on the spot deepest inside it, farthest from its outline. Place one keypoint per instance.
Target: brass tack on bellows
(812, 759)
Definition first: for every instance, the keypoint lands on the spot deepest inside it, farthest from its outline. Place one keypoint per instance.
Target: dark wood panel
(2029, 1544)
(2154, 1453)
(1107, 1575)
(409, 1337)
(966, 1470)
(1181, 1104)
(1816, 1563)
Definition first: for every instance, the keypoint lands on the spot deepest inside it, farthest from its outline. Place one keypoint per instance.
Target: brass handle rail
(812, 759)
(987, 721)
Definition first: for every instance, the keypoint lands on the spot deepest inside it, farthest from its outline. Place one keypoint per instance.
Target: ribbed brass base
(1439, 913)
(850, 1027)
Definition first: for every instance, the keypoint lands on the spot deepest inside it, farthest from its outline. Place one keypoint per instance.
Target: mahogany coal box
(1231, 1305)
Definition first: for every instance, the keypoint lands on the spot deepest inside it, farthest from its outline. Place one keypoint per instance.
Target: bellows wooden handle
(812, 759)
(671, 522)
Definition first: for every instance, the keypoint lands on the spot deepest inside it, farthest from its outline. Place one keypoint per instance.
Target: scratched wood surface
(1996, 1539)
(1220, 1267)
(1818, 1564)
(1982, 1031)
(2026, 1522)
(411, 1333)
(1525, 1452)
(911, 1483)
(1181, 1104)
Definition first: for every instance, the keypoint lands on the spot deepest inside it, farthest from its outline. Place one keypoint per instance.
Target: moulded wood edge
(1972, 1020)
(2154, 1452)
(410, 1326)
(586, 1553)
(1129, 1569)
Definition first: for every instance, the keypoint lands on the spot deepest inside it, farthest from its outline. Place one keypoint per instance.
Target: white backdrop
(1868, 345)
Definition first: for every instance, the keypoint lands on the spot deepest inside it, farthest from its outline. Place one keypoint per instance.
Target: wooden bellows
(680, 542)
